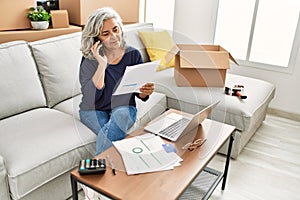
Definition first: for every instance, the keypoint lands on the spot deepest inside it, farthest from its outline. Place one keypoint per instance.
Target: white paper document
(136, 76)
(143, 154)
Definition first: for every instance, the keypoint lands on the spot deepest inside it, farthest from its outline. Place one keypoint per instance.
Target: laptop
(174, 125)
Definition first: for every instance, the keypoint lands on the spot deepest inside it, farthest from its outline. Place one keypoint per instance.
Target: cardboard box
(33, 35)
(80, 10)
(201, 65)
(59, 18)
(13, 14)
(48, 5)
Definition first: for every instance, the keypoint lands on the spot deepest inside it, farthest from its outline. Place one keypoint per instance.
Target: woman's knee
(125, 114)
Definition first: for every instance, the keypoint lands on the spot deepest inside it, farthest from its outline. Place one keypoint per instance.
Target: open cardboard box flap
(201, 56)
(200, 65)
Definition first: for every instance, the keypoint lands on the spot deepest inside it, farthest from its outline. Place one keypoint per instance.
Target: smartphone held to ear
(96, 39)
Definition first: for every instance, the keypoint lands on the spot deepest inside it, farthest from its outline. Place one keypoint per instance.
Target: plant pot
(40, 25)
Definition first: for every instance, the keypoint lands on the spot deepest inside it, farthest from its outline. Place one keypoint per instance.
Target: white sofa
(42, 139)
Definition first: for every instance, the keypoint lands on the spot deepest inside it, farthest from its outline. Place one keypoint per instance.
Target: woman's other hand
(146, 89)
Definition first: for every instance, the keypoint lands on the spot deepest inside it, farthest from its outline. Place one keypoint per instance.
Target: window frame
(294, 49)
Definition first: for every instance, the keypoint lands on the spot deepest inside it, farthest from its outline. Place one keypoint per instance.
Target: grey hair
(94, 25)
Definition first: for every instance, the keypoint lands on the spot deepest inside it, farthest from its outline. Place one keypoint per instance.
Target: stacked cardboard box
(13, 14)
(79, 10)
(14, 24)
(33, 35)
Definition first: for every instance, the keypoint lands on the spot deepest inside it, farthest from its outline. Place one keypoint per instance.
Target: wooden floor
(269, 166)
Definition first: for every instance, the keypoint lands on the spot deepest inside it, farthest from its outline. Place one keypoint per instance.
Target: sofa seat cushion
(4, 189)
(70, 106)
(231, 110)
(40, 145)
(146, 111)
(58, 61)
(20, 87)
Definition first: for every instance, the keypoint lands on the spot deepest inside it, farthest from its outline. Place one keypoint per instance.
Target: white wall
(196, 20)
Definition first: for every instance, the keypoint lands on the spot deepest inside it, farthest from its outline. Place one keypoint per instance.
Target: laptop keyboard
(175, 129)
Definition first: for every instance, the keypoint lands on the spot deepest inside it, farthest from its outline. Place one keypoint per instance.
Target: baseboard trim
(284, 114)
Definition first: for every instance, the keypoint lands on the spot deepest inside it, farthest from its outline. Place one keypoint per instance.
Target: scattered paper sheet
(142, 154)
(136, 76)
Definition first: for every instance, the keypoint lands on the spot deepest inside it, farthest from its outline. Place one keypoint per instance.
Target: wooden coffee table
(164, 184)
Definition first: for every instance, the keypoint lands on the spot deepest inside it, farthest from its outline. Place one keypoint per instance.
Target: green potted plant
(39, 17)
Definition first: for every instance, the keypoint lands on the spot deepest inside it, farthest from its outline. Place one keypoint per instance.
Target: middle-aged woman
(105, 57)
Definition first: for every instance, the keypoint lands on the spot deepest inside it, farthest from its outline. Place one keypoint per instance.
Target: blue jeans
(109, 126)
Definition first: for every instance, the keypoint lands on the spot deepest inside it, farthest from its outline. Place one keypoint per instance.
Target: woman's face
(110, 34)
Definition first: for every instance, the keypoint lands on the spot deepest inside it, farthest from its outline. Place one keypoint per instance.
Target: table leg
(74, 188)
(227, 162)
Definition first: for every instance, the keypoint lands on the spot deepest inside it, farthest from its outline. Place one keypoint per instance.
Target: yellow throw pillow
(158, 44)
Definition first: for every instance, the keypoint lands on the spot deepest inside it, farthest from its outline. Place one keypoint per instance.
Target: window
(158, 12)
(259, 32)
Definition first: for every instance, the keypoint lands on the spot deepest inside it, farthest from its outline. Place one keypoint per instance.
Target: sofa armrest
(4, 190)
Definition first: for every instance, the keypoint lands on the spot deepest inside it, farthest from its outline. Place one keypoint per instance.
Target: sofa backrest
(20, 86)
(132, 38)
(46, 72)
(58, 60)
